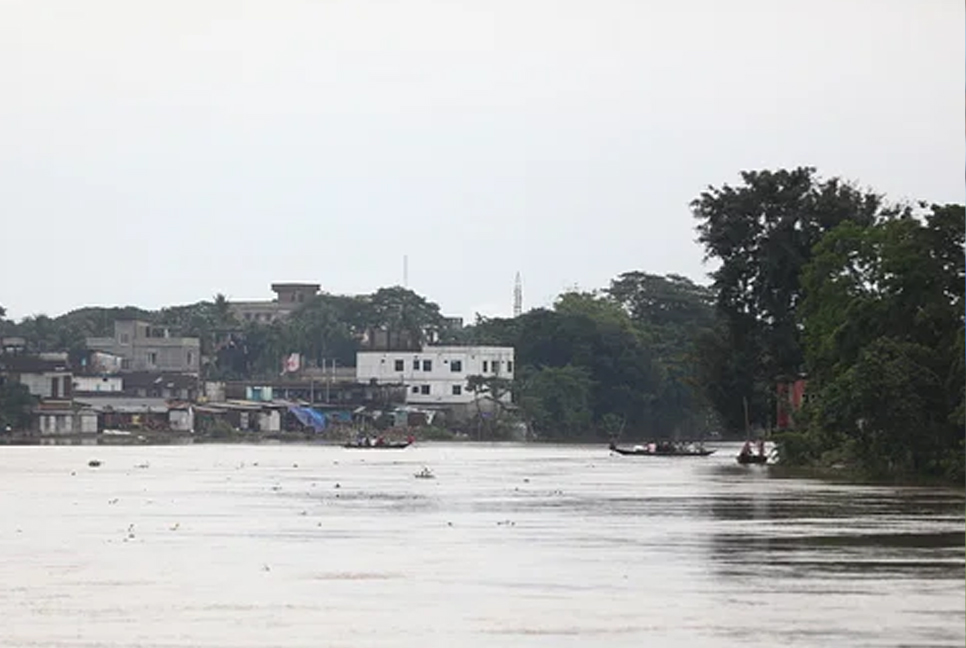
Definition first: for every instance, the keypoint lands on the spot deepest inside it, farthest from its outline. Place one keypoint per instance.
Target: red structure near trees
(790, 396)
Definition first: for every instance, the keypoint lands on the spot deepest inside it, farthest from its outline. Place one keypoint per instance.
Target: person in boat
(746, 449)
(761, 447)
(380, 440)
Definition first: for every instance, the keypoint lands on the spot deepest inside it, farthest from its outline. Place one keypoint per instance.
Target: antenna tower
(517, 296)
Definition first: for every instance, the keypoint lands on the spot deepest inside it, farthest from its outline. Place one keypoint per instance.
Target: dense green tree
(404, 312)
(15, 406)
(557, 401)
(593, 334)
(762, 233)
(883, 328)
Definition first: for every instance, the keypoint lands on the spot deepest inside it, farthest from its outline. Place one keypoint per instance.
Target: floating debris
(94, 463)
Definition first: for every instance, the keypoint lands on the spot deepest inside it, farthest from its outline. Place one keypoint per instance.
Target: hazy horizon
(155, 155)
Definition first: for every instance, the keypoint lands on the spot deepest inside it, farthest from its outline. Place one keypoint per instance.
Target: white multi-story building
(436, 375)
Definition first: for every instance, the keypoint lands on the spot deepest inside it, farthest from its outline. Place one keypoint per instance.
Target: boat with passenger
(379, 443)
(663, 449)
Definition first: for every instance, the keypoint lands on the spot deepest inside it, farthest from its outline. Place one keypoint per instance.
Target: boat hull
(384, 446)
(644, 453)
(751, 459)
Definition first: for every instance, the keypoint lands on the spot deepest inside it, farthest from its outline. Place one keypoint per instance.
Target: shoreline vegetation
(816, 280)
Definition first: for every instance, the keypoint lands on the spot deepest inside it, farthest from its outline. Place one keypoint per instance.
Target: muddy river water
(510, 545)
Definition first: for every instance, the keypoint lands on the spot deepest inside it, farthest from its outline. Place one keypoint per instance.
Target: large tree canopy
(762, 233)
(883, 327)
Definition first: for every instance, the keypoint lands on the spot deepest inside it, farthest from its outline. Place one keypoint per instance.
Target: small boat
(377, 445)
(658, 451)
(425, 473)
(748, 458)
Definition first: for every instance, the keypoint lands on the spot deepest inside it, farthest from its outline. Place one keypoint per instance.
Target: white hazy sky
(156, 153)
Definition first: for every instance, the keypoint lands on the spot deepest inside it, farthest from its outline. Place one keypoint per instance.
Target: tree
(16, 404)
(492, 390)
(557, 401)
(763, 232)
(883, 310)
(403, 313)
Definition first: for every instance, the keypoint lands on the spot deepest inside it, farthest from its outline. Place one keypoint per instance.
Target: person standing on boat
(761, 447)
(746, 449)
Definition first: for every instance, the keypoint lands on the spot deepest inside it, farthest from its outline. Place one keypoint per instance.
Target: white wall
(182, 420)
(106, 384)
(410, 369)
(270, 421)
(39, 384)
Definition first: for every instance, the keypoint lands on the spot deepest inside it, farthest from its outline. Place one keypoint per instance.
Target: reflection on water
(511, 545)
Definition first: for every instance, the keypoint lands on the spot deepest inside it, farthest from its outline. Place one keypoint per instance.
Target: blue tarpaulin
(309, 417)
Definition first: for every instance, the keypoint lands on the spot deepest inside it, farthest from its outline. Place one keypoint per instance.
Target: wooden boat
(640, 451)
(425, 473)
(386, 445)
(748, 458)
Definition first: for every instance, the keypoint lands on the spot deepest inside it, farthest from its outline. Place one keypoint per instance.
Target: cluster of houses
(145, 381)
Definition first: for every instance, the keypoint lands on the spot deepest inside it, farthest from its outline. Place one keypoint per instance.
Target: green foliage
(762, 233)
(883, 327)
(557, 401)
(604, 362)
(15, 406)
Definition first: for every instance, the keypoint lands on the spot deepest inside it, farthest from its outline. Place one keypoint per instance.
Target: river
(307, 546)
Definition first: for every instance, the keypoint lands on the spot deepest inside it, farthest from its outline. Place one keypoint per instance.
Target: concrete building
(436, 375)
(288, 297)
(145, 347)
(48, 379)
(62, 418)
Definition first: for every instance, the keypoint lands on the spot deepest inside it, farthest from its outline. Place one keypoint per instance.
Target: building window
(190, 358)
(424, 389)
(248, 316)
(416, 364)
(486, 366)
(457, 390)
(125, 338)
(415, 389)
(399, 365)
(153, 358)
(495, 366)
(509, 366)
(427, 365)
(456, 366)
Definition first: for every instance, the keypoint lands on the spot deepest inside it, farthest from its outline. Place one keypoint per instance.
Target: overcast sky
(156, 153)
